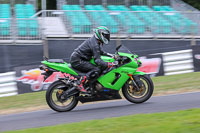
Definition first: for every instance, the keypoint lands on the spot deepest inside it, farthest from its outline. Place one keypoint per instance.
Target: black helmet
(103, 34)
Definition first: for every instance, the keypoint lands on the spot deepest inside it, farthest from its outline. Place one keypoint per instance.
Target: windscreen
(124, 49)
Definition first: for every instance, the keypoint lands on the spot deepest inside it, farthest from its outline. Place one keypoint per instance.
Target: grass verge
(163, 85)
(186, 121)
(177, 83)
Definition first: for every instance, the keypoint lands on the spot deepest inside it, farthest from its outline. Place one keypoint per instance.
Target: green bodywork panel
(107, 79)
(129, 68)
(63, 67)
(139, 73)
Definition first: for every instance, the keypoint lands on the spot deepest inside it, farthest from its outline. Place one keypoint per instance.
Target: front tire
(53, 100)
(141, 96)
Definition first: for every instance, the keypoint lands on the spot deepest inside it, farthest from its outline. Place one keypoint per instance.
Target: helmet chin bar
(105, 40)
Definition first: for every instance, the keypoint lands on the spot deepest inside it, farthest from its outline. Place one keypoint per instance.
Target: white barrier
(178, 62)
(8, 86)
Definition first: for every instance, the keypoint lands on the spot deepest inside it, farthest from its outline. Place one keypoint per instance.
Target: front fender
(139, 73)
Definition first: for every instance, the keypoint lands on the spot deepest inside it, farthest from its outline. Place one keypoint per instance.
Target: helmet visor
(107, 36)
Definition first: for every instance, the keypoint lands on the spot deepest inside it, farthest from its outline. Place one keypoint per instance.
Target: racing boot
(82, 81)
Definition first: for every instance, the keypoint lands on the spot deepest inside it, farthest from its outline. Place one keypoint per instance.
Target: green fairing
(60, 67)
(108, 79)
(132, 64)
(139, 73)
(129, 68)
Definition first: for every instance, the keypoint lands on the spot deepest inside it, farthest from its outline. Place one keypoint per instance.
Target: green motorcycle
(63, 95)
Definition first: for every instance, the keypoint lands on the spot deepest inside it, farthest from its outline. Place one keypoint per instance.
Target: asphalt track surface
(99, 111)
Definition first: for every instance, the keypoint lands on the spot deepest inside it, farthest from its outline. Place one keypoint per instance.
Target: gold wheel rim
(138, 94)
(57, 102)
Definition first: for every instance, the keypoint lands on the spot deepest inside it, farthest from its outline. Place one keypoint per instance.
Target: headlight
(138, 62)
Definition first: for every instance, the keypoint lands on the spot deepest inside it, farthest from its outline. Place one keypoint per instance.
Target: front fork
(137, 83)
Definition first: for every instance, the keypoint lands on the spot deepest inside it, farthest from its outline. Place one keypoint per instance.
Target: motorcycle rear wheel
(141, 96)
(54, 101)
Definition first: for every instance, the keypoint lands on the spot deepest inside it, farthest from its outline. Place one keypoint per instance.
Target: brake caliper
(60, 91)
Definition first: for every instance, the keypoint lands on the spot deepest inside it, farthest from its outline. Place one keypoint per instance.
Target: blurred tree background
(194, 3)
(51, 4)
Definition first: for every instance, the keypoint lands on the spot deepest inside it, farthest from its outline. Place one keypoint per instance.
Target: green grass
(186, 121)
(163, 84)
(23, 100)
(180, 82)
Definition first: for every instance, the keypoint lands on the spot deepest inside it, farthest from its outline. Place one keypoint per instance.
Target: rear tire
(147, 92)
(53, 105)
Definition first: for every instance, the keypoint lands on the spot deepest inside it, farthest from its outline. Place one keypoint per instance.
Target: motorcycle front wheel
(54, 97)
(138, 96)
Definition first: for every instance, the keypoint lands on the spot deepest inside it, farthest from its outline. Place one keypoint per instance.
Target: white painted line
(178, 94)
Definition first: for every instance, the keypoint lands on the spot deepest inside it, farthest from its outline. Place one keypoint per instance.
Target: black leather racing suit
(80, 58)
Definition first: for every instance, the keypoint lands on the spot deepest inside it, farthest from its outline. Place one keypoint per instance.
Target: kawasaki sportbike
(63, 95)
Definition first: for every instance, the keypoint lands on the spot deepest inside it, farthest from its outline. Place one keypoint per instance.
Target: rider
(92, 47)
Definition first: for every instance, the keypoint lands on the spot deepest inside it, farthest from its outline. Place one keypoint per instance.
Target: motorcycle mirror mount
(117, 48)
